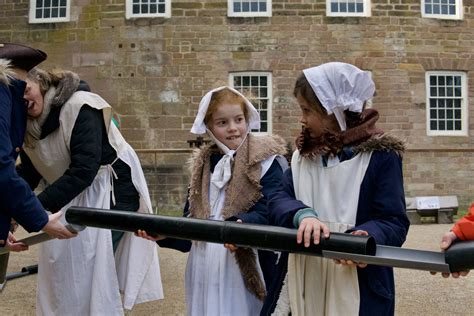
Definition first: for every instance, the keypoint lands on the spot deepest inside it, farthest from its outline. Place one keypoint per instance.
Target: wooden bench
(438, 208)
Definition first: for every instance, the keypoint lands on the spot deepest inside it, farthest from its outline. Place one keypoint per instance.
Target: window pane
(237, 81)
(254, 81)
(449, 125)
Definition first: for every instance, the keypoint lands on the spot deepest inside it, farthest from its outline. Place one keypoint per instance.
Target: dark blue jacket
(16, 198)
(380, 212)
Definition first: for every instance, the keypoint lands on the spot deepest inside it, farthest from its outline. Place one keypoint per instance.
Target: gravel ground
(418, 292)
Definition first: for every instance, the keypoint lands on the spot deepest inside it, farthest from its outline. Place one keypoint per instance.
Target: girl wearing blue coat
(346, 176)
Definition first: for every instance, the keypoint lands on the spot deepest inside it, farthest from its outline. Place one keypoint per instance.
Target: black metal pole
(244, 235)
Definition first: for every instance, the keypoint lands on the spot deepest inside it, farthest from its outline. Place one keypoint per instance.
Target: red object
(464, 228)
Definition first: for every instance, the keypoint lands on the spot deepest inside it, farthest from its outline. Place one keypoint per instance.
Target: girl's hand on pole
(232, 247)
(311, 226)
(351, 263)
(145, 235)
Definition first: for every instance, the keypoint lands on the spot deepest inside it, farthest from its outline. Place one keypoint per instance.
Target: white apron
(318, 286)
(214, 283)
(80, 276)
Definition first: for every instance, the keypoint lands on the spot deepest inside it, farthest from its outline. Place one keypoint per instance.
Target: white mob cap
(339, 87)
(199, 127)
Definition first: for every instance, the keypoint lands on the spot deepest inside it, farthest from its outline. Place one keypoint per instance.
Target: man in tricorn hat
(17, 199)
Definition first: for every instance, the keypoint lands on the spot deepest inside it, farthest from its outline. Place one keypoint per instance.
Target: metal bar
(245, 235)
(398, 258)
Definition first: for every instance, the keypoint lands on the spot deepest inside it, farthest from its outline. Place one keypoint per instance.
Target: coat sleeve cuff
(302, 214)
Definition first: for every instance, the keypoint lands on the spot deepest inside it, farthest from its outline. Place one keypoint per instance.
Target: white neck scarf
(223, 170)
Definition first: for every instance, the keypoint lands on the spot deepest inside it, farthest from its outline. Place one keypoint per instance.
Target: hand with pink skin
(311, 226)
(232, 247)
(446, 242)
(144, 234)
(351, 263)
(13, 245)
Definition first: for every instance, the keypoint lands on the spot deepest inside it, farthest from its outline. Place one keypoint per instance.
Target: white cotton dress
(214, 283)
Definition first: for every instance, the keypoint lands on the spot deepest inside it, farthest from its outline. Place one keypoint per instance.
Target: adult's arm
(17, 199)
(86, 151)
(382, 196)
(282, 203)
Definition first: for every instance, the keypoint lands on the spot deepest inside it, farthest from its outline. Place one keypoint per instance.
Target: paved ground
(418, 292)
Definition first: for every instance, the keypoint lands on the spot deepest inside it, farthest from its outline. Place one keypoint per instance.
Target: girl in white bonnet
(345, 176)
(230, 181)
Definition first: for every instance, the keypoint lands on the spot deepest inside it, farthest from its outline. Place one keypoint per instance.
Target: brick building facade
(154, 70)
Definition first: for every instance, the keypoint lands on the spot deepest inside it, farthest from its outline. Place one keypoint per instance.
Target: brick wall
(154, 71)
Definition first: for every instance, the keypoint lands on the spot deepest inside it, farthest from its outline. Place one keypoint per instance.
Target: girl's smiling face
(35, 98)
(228, 125)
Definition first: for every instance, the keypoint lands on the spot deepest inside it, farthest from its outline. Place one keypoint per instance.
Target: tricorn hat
(21, 56)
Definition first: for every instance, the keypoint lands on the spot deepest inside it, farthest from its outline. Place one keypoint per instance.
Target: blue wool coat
(380, 212)
(16, 198)
(273, 265)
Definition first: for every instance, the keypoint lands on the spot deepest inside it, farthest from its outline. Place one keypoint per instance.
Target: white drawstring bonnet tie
(223, 171)
(339, 87)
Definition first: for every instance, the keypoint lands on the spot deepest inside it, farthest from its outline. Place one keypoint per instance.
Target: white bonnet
(339, 87)
(199, 127)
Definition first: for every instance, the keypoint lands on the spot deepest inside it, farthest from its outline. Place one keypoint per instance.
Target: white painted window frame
(33, 20)
(231, 13)
(369, 104)
(129, 11)
(366, 13)
(464, 104)
(269, 97)
(457, 16)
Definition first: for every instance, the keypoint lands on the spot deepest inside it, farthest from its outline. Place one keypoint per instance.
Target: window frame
(367, 4)
(369, 104)
(129, 11)
(269, 97)
(231, 13)
(32, 19)
(457, 16)
(464, 104)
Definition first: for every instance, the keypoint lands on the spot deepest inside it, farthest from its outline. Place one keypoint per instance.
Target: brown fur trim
(384, 142)
(247, 261)
(5, 71)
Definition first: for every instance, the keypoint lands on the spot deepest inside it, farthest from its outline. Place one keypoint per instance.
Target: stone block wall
(154, 71)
